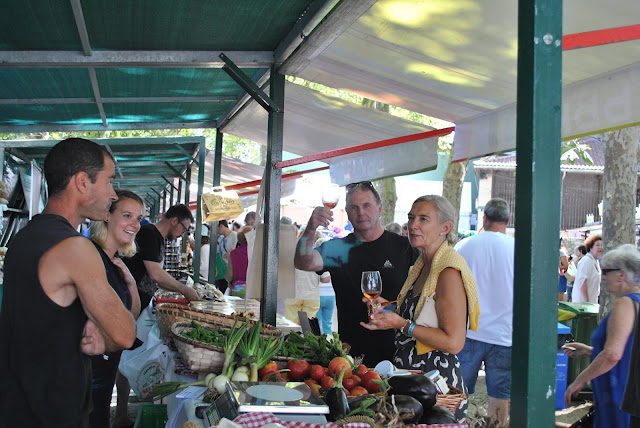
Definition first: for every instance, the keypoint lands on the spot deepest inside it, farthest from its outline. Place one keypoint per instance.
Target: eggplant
(408, 407)
(336, 399)
(438, 415)
(417, 386)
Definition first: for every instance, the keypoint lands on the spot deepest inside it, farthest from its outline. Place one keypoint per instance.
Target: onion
(240, 376)
(220, 383)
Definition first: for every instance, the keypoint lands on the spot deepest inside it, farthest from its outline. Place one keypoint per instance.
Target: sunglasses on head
(352, 186)
(606, 271)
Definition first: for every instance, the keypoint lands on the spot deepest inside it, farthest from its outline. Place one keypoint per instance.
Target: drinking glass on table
(371, 286)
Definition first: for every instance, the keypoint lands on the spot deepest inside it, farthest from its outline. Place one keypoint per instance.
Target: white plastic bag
(147, 365)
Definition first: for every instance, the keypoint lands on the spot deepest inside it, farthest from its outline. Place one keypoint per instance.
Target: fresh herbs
(316, 349)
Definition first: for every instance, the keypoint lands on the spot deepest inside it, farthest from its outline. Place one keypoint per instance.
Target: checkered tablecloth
(258, 419)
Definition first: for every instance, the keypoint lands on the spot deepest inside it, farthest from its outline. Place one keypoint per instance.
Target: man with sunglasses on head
(368, 248)
(146, 265)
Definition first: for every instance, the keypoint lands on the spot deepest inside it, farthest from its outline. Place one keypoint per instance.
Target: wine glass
(330, 196)
(371, 285)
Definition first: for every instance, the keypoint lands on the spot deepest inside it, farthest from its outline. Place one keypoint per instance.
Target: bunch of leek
(256, 351)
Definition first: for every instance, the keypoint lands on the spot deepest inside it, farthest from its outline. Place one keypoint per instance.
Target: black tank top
(44, 378)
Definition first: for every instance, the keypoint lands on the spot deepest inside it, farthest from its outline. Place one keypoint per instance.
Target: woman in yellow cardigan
(436, 301)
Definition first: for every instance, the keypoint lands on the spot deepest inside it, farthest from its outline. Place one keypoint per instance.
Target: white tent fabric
(588, 107)
(458, 61)
(315, 122)
(235, 171)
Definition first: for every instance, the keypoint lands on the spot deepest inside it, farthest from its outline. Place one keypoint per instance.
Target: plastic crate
(151, 416)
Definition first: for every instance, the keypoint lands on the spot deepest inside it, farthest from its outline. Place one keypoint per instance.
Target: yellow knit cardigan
(445, 257)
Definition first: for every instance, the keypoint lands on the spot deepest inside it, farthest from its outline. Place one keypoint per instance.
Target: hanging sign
(221, 205)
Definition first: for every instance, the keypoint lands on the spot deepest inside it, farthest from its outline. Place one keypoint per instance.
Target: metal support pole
(198, 233)
(1, 163)
(179, 195)
(171, 187)
(164, 201)
(533, 363)
(213, 226)
(271, 216)
(183, 247)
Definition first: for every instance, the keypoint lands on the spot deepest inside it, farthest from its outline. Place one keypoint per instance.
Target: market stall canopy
(143, 165)
(457, 61)
(235, 171)
(316, 122)
(138, 65)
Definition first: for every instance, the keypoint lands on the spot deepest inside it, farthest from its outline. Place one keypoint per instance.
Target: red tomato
(336, 365)
(349, 383)
(327, 382)
(358, 390)
(311, 382)
(300, 369)
(318, 372)
(367, 381)
(315, 389)
(361, 369)
(270, 367)
(356, 379)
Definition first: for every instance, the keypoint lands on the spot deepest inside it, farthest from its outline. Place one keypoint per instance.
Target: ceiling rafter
(133, 59)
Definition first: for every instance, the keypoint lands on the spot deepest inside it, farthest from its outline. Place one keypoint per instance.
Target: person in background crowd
(327, 298)
(586, 287)
(572, 270)
(205, 252)
(307, 297)
(146, 265)
(250, 218)
(490, 258)
(394, 228)
(114, 237)
(227, 239)
(405, 229)
(431, 315)
(238, 262)
(563, 264)
(368, 248)
(236, 226)
(58, 306)
(611, 341)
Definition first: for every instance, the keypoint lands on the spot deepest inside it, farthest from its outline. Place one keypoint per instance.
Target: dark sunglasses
(606, 271)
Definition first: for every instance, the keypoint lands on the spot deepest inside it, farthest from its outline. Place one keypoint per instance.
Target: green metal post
(213, 232)
(179, 196)
(170, 195)
(183, 247)
(164, 201)
(198, 233)
(273, 177)
(1, 163)
(537, 213)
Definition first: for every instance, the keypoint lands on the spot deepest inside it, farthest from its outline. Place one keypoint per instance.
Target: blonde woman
(114, 238)
(436, 301)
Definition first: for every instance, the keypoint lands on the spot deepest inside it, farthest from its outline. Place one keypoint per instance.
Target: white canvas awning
(457, 61)
(315, 122)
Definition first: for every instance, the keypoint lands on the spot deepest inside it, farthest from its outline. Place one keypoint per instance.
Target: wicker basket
(168, 314)
(452, 399)
(198, 356)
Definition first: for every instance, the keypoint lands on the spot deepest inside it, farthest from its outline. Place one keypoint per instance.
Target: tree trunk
(387, 190)
(452, 184)
(620, 178)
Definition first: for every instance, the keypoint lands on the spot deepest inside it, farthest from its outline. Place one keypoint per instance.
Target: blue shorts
(562, 284)
(497, 363)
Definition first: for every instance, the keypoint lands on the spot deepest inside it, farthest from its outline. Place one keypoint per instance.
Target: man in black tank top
(57, 306)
